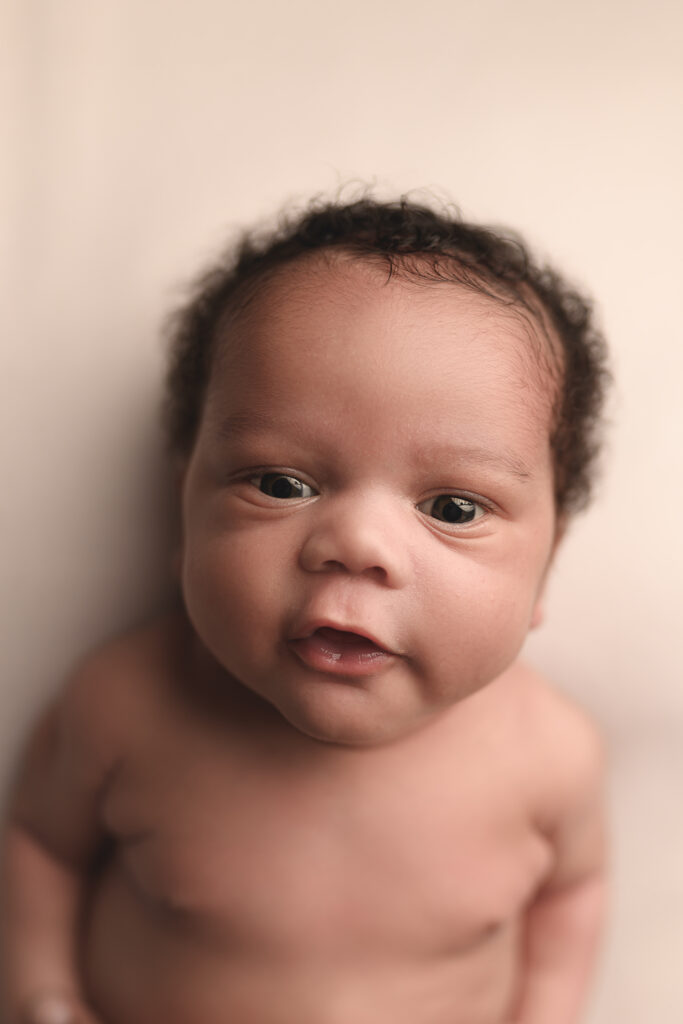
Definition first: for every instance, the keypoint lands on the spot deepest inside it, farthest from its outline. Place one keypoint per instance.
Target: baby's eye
(449, 508)
(280, 485)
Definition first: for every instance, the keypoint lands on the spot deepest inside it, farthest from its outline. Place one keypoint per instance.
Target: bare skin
(249, 873)
(327, 791)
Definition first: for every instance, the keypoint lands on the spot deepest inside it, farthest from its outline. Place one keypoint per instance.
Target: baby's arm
(51, 839)
(563, 923)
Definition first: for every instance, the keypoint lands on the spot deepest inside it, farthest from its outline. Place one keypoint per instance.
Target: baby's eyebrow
(241, 423)
(478, 455)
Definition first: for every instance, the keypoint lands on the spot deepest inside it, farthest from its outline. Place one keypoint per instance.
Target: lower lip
(341, 654)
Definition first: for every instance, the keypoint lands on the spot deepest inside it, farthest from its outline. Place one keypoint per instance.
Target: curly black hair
(414, 239)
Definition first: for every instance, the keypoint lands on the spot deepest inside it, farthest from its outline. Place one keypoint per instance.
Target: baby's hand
(54, 1008)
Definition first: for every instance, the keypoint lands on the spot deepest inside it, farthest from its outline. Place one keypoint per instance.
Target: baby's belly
(144, 964)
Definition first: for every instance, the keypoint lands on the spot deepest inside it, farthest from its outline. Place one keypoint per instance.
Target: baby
(324, 790)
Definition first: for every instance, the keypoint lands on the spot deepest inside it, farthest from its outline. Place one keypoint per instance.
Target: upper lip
(310, 626)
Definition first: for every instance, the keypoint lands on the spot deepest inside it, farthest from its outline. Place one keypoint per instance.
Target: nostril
(374, 571)
(332, 565)
(352, 544)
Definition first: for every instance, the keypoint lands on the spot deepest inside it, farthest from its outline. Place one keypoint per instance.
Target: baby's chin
(351, 719)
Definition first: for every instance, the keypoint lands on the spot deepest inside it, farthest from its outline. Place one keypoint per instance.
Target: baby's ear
(179, 468)
(560, 530)
(538, 613)
(177, 562)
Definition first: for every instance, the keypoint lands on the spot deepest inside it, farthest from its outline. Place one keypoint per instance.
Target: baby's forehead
(325, 284)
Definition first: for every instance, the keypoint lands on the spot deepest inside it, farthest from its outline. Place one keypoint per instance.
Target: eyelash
(462, 502)
(257, 481)
(456, 502)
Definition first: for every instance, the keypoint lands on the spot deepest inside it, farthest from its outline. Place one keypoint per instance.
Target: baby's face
(368, 510)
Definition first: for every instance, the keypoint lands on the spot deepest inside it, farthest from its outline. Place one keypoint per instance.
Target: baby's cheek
(207, 588)
(53, 1009)
(479, 628)
(229, 588)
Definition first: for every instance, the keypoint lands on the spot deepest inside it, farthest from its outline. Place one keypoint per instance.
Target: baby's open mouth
(340, 651)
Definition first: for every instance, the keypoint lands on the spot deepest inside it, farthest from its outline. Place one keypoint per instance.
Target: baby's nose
(359, 537)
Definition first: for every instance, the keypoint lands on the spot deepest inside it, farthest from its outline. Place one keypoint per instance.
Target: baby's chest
(272, 862)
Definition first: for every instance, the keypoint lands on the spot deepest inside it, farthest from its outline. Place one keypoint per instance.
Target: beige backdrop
(139, 131)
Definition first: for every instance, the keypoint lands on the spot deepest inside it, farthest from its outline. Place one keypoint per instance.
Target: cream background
(138, 132)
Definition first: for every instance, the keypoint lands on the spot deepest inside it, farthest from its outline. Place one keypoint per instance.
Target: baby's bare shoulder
(567, 760)
(77, 744)
(115, 690)
(560, 735)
